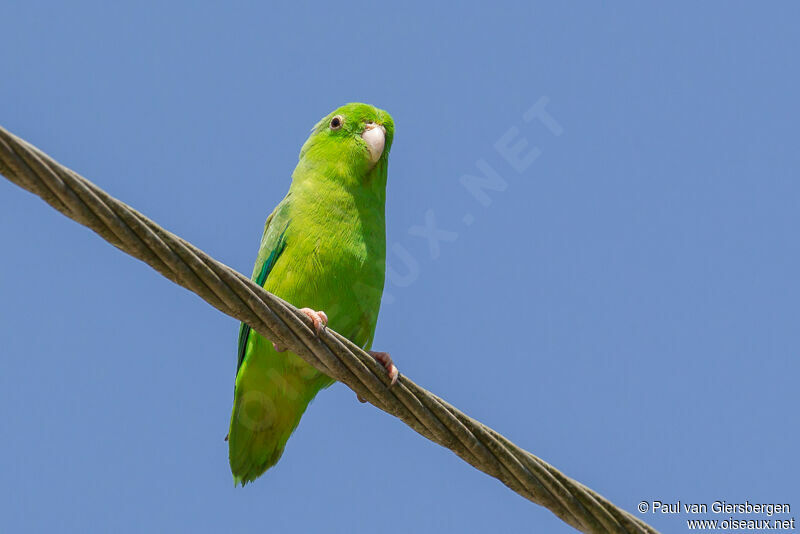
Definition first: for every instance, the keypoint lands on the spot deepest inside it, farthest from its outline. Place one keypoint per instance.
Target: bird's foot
(385, 360)
(319, 319)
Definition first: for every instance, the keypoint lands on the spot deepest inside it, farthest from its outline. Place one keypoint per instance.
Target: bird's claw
(386, 361)
(319, 318)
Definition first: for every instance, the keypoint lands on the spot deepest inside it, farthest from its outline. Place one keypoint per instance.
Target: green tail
(272, 393)
(260, 426)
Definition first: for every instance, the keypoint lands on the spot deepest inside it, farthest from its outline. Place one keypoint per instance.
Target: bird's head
(353, 140)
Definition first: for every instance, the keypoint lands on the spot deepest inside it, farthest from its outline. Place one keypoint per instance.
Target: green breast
(334, 259)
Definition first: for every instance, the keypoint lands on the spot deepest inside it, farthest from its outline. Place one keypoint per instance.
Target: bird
(323, 248)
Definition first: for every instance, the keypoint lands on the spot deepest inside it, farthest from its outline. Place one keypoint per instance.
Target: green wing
(266, 266)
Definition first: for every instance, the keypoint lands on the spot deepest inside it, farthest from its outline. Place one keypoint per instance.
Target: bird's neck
(327, 174)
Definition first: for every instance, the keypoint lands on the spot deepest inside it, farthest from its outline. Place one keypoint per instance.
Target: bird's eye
(336, 122)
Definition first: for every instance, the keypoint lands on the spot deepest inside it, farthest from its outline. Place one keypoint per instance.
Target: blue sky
(626, 307)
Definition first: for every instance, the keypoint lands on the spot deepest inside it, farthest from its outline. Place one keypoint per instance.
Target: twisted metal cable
(236, 295)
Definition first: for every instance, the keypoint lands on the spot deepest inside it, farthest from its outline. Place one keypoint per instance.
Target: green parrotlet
(323, 248)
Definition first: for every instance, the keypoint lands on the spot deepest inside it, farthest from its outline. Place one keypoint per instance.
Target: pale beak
(375, 137)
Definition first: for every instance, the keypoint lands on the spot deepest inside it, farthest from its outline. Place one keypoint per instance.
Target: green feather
(324, 248)
(266, 267)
